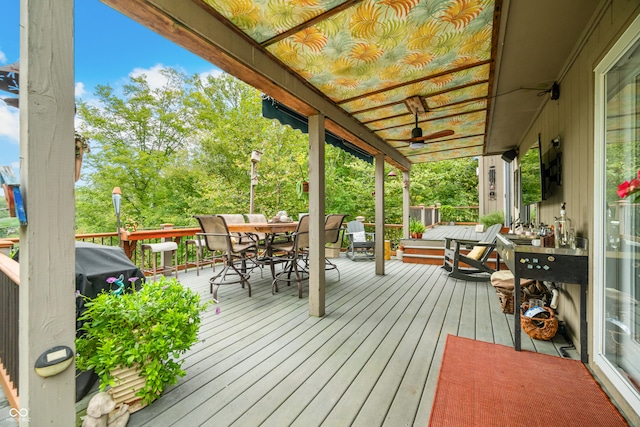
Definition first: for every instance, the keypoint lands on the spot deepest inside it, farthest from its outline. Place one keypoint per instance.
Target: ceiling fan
(417, 139)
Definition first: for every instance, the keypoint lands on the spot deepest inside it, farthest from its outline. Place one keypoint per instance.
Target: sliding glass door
(617, 211)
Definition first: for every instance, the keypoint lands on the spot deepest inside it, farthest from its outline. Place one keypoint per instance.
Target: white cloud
(9, 123)
(79, 90)
(215, 72)
(155, 79)
(3, 57)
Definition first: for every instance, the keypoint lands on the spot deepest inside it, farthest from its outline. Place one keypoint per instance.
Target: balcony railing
(9, 316)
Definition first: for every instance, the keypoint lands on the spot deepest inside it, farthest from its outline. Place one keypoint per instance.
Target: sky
(109, 47)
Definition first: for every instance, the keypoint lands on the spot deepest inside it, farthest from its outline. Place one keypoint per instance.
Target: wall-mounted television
(533, 182)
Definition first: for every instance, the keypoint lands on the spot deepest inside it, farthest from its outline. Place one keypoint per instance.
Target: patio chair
(258, 237)
(359, 241)
(293, 253)
(235, 254)
(332, 229)
(472, 264)
(237, 219)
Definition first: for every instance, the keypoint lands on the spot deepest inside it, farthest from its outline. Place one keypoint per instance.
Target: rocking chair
(360, 242)
(473, 263)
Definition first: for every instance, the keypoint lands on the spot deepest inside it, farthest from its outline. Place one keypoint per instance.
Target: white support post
(379, 233)
(316, 216)
(47, 176)
(406, 203)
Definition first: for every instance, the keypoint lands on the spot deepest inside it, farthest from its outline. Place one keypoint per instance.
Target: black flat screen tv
(532, 176)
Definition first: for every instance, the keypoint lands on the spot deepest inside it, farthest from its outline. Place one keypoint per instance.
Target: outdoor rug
(484, 384)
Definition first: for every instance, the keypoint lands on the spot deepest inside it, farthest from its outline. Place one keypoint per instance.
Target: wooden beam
(311, 22)
(47, 179)
(316, 216)
(379, 208)
(406, 203)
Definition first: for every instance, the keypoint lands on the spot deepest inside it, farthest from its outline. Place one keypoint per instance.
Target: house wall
(571, 117)
(487, 204)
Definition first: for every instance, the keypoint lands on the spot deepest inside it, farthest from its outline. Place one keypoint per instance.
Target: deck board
(373, 359)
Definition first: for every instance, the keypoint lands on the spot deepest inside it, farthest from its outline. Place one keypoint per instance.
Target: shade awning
(272, 109)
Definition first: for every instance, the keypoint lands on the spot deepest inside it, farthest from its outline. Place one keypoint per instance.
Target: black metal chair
(332, 230)
(293, 253)
(235, 254)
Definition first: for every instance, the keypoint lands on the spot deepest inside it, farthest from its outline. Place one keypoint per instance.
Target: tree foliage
(184, 148)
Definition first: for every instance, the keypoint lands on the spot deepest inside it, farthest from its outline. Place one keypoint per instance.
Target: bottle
(562, 229)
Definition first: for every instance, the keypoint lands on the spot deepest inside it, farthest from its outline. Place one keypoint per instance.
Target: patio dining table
(271, 230)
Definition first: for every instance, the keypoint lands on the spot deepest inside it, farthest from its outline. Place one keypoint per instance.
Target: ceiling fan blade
(435, 135)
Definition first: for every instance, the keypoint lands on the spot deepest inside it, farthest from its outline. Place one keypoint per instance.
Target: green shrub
(149, 328)
(492, 218)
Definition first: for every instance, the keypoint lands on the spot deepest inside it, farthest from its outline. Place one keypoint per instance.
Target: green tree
(184, 149)
(135, 138)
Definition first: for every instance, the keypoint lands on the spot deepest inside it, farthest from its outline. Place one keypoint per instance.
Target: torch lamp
(116, 196)
(255, 159)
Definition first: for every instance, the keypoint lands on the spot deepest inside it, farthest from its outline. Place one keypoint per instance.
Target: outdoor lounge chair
(468, 259)
(359, 241)
(217, 238)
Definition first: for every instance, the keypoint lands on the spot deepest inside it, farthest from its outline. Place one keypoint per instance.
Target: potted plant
(416, 228)
(146, 331)
(302, 185)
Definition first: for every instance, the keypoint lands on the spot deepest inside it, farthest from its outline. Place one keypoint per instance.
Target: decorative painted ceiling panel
(370, 56)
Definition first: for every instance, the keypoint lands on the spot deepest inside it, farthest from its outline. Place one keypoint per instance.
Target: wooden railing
(9, 317)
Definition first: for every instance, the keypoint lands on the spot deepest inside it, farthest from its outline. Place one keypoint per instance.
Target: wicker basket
(533, 290)
(539, 328)
(505, 296)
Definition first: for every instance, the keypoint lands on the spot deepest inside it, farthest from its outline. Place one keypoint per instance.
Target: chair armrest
(212, 234)
(468, 244)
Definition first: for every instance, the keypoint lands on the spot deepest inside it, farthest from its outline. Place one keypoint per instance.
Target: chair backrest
(219, 239)
(302, 233)
(233, 218)
(354, 226)
(332, 226)
(491, 234)
(257, 218)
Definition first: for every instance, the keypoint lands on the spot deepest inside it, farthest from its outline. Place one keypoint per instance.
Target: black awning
(272, 109)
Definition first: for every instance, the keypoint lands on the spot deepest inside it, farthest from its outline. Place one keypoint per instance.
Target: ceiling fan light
(416, 144)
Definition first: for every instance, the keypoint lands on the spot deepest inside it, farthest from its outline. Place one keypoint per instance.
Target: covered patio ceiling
(472, 73)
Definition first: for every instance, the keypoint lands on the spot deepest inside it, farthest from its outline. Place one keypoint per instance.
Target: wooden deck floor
(372, 360)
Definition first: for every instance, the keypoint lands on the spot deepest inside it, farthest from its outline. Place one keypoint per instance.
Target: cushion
(359, 236)
(476, 252)
(504, 279)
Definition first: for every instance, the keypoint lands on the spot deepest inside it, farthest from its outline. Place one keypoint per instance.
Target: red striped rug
(484, 384)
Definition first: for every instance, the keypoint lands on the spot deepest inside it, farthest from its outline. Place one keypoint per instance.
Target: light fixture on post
(255, 159)
(116, 197)
(392, 174)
